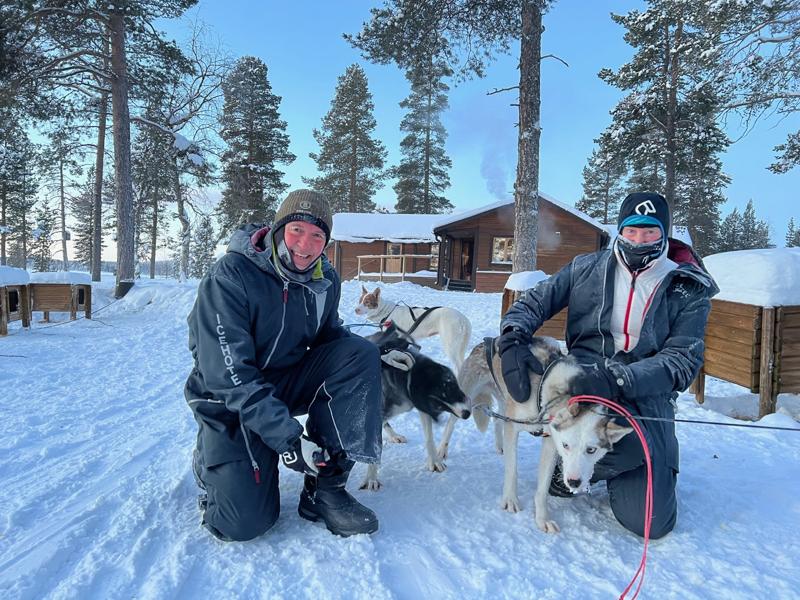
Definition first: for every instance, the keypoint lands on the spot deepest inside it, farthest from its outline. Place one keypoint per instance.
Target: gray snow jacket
(670, 350)
(250, 320)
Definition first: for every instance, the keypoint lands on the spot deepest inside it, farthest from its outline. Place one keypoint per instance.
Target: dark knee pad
(626, 494)
(239, 508)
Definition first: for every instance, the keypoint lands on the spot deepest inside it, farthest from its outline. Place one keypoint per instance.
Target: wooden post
(380, 274)
(87, 299)
(403, 268)
(73, 303)
(3, 311)
(766, 389)
(358, 277)
(25, 299)
(698, 387)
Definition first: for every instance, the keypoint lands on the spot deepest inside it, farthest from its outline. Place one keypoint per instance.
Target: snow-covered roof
(393, 227)
(455, 218)
(13, 276)
(73, 277)
(769, 277)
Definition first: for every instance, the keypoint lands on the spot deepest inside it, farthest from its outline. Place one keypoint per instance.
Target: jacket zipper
(253, 463)
(628, 311)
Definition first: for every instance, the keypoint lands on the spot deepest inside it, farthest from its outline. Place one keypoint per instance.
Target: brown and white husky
(578, 434)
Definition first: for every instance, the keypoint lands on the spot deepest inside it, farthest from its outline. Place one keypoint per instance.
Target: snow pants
(625, 473)
(338, 385)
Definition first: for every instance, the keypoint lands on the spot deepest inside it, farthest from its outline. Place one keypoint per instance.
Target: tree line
(695, 64)
(178, 120)
(76, 75)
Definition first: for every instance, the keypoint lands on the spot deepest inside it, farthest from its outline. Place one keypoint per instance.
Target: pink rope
(648, 499)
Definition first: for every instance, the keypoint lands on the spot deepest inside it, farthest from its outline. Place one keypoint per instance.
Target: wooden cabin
(476, 247)
(388, 247)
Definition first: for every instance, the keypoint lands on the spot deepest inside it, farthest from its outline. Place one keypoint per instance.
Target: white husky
(453, 328)
(579, 434)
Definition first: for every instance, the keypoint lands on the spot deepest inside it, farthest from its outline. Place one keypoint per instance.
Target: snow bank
(768, 277)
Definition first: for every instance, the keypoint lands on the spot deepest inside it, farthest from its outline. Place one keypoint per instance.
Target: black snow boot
(325, 498)
(557, 486)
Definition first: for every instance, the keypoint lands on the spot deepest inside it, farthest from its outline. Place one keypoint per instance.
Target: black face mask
(639, 256)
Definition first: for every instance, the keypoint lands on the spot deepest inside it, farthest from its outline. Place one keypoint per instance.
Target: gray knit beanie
(305, 205)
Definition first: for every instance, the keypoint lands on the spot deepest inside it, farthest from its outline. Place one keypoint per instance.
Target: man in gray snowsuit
(268, 345)
(637, 318)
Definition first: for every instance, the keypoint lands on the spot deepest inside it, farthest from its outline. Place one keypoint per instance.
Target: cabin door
(466, 260)
(394, 265)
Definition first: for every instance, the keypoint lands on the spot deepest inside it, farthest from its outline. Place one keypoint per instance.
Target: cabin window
(502, 250)
(394, 249)
(434, 256)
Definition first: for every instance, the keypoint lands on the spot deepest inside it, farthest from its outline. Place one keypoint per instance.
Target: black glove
(516, 363)
(305, 456)
(596, 380)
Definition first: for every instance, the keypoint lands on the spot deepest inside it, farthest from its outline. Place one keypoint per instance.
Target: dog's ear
(616, 432)
(562, 418)
(377, 293)
(363, 290)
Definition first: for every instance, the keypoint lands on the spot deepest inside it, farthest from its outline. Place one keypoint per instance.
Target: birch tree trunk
(526, 187)
(63, 214)
(122, 157)
(99, 165)
(183, 275)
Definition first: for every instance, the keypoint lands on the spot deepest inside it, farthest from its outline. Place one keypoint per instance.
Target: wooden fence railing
(384, 257)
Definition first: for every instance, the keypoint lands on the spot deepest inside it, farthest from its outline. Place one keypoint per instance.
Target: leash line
(648, 498)
(720, 423)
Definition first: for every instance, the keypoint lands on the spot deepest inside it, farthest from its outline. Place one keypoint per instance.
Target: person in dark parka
(636, 321)
(268, 346)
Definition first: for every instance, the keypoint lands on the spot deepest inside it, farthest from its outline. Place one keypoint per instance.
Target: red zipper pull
(285, 293)
(256, 473)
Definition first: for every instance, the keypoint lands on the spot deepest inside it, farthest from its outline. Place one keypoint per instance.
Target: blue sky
(302, 45)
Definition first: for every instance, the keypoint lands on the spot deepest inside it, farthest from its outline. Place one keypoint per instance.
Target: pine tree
(42, 235)
(792, 238)
(602, 182)
(257, 141)
(472, 32)
(730, 232)
(203, 247)
(423, 172)
(674, 48)
(350, 160)
(82, 207)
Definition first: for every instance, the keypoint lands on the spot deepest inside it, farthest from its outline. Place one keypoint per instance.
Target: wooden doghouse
(61, 292)
(753, 333)
(757, 347)
(516, 285)
(14, 298)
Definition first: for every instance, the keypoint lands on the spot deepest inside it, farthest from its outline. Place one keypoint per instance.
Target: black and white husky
(579, 434)
(426, 385)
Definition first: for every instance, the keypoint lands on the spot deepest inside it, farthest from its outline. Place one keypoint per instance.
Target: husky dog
(580, 435)
(426, 385)
(452, 327)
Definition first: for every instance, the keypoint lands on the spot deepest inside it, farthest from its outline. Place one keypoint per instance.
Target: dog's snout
(465, 414)
(574, 483)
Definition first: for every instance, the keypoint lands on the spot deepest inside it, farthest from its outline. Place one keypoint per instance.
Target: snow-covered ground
(97, 499)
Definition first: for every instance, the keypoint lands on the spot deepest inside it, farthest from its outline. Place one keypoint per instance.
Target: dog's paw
(437, 466)
(397, 439)
(547, 526)
(373, 485)
(511, 504)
